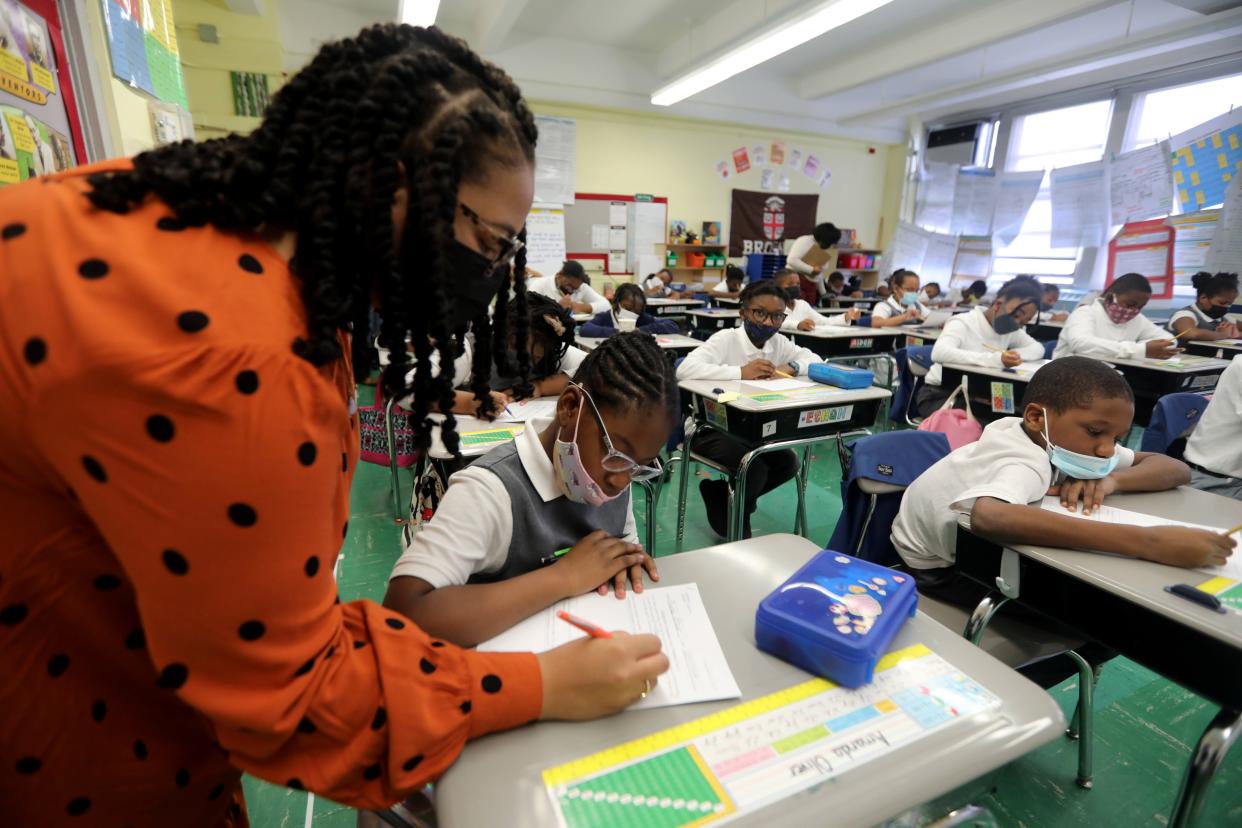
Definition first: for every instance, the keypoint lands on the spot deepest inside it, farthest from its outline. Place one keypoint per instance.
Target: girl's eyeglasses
(509, 245)
(775, 319)
(618, 462)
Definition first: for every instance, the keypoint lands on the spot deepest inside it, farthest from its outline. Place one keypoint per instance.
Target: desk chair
(1049, 347)
(913, 363)
(881, 469)
(1172, 420)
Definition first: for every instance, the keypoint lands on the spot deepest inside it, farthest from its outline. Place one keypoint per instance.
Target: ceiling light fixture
(419, 12)
(824, 17)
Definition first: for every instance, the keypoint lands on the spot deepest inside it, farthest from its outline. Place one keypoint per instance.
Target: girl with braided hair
(178, 435)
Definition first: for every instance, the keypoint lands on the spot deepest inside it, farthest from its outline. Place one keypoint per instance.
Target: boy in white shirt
(801, 316)
(1113, 327)
(1075, 412)
(730, 287)
(902, 304)
(572, 288)
(657, 284)
(754, 351)
(1048, 304)
(1214, 450)
(991, 337)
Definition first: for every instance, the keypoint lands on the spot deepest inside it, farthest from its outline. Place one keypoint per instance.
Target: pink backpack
(959, 426)
(373, 434)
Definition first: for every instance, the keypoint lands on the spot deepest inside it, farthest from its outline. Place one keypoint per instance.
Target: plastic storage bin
(836, 617)
(842, 376)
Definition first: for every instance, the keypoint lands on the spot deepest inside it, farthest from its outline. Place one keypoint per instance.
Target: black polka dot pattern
(93, 269)
(57, 665)
(173, 676)
(381, 716)
(242, 514)
(192, 321)
(412, 763)
(106, 583)
(437, 643)
(465, 707)
(136, 640)
(34, 351)
(251, 630)
(491, 683)
(175, 562)
(395, 623)
(95, 469)
(182, 778)
(160, 428)
(312, 566)
(371, 772)
(358, 645)
(170, 224)
(307, 453)
(12, 231)
(306, 726)
(215, 793)
(249, 264)
(247, 382)
(13, 614)
(99, 710)
(296, 784)
(28, 765)
(78, 806)
(426, 666)
(305, 668)
(140, 750)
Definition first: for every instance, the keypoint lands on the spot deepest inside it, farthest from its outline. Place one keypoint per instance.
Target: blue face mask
(759, 334)
(909, 299)
(1079, 466)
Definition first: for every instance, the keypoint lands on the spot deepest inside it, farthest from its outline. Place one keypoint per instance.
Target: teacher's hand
(593, 677)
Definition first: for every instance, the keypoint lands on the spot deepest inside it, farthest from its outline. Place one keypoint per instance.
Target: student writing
(553, 356)
(481, 564)
(730, 287)
(754, 351)
(991, 336)
(801, 316)
(1214, 449)
(1113, 326)
(1205, 318)
(571, 288)
(629, 312)
(1047, 304)
(902, 305)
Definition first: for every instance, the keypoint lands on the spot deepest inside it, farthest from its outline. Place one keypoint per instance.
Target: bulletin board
(591, 221)
(1146, 248)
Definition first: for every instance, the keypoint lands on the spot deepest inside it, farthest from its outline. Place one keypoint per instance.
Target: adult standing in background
(178, 435)
(824, 236)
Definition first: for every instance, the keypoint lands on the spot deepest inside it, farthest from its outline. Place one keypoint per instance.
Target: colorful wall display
(34, 123)
(142, 43)
(1206, 159)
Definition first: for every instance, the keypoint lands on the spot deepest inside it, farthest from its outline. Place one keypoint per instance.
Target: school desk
(1220, 349)
(714, 319)
(673, 345)
(922, 336)
(1151, 379)
(1046, 331)
(497, 779)
(991, 388)
(583, 317)
(672, 307)
(777, 420)
(829, 341)
(725, 301)
(1121, 603)
(862, 302)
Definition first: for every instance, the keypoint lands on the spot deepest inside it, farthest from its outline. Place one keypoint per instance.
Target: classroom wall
(128, 120)
(625, 152)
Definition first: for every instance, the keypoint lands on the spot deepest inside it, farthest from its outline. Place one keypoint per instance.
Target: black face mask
(473, 283)
(1217, 312)
(1006, 323)
(792, 294)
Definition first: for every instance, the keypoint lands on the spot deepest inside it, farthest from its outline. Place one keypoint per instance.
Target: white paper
(697, 670)
(936, 319)
(767, 178)
(616, 261)
(554, 160)
(1152, 262)
(647, 229)
(648, 264)
(617, 214)
(780, 384)
(825, 176)
(1206, 129)
(795, 158)
(811, 167)
(1140, 184)
(907, 250)
(1193, 234)
(974, 258)
(599, 236)
(616, 238)
(1015, 195)
(1225, 254)
(974, 201)
(527, 410)
(545, 239)
(1025, 369)
(1079, 205)
(940, 257)
(934, 204)
(759, 155)
(783, 183)
(722, 169)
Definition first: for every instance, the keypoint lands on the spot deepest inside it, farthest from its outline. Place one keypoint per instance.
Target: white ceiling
(924, 58)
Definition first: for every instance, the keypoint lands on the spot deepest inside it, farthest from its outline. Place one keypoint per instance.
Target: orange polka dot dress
(174, 490)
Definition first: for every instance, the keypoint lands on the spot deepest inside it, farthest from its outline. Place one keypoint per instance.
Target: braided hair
(549, 325)
(628, 371)
(629, 290)
(395, 105)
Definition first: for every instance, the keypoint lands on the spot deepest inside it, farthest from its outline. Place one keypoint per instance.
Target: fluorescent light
(419, 12)
(793, 33)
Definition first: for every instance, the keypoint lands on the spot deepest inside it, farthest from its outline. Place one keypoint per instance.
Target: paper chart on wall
(1079, 205)
(940, 257)
(545, 239)
(1225, 254)
(554, 160)
(1139, 184)
(974, 202)
(934, 205)
(1192, 241)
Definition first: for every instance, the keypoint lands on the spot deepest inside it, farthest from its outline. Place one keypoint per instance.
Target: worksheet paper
(1139, 184)
(545, 238)
(697, 670)
(1112, 514)
(1016, 193)
(527, 410)
(599, 236)
(1079, 205)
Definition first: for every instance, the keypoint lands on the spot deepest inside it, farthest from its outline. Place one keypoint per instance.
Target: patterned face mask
(1119, 314)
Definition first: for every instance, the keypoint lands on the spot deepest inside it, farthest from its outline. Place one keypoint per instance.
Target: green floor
(1145, 726)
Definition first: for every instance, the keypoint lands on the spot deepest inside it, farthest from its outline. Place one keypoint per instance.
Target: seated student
(571, 287)
(629, 304)
(1205, 319)
(553, 356)
(1114, 327)
(1074, 413)
(930, 294)
(991, 337)
(657, 284)
(730, 287)
(1052, 295)
(802, 316)
(973, 293)
(488, 558)
(756, 350)
(882, 291)
(837, 286)
(1214, 449)
(903, 304)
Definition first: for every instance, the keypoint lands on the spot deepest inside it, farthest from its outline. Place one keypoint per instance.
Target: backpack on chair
(958, 425)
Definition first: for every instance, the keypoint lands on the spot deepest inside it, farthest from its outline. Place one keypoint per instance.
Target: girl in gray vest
(1205, 319)
(547, 516)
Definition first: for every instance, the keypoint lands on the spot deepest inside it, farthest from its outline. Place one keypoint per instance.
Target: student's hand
(758, 369)
(499, 401)
(853, 314)
(1162, 348)
(1011, 359)
(593, 677)
(815, 271)
(1187, 547)
(594, 560)
(1229, 329)
(566, 301)
(856, 294)
(1090, 492)
(806, 325)
(635, 573)
(909, 315)
(1060, 316)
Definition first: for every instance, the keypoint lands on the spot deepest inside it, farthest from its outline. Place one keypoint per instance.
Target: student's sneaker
(716, 500)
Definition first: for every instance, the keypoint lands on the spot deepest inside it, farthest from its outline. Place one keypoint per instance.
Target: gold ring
(646, 688)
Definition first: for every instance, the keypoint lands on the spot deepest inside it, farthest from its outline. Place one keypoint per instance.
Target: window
(1154, 116)
(1042, 141)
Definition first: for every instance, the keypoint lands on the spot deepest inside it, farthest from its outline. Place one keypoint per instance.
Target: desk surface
(931, 334)
(852, 300)
(716, 313)
(583, 317)
(847, 332)
(726, 300)
(658, 302)
(995, 371)
(1199, 366)
(818, 397)
(665, 341)
(497, 779)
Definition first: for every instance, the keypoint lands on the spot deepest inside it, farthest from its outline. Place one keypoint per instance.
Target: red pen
(584, 625)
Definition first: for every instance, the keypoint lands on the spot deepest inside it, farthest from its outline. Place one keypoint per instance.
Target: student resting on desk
(989, 337)
(755, 351)
(1205, 319)
(1051, 295)
(572, 288)
(902, 305)
(490, 556)
(802, 316)
(657, 285)
(629, 312)
(730, 287)
(553, 356)
(1113, 326)
(1214, 450)
(1074, 413)
(930, 294)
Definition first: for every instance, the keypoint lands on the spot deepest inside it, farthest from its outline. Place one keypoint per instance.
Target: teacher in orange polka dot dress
(178, 433)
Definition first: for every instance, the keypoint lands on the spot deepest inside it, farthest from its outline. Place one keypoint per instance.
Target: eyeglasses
(509, 246)
(775, 319)
(615, 461)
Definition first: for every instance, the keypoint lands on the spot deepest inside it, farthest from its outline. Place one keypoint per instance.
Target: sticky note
(1194, 179)
(1226, 177)
(1222, 160)
(1178, 178)
(1185, 196)
(1216, 142)
(1199, 199)
(1233, 140)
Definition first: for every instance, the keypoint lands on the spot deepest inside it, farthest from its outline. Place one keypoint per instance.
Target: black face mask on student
(1217, 311)
(473, 283)
(792, 294)
(1006, 323)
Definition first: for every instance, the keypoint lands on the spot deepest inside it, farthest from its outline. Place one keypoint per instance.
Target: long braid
(628, 371)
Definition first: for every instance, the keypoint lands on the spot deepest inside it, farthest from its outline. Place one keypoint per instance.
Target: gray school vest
(1202, 321)
(539, 528)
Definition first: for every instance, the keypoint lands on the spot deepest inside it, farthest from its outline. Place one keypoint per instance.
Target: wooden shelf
(687, 267)
(697, 246)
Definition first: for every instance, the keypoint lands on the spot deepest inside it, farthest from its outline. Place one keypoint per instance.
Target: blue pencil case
(836, 617)
(842, 376)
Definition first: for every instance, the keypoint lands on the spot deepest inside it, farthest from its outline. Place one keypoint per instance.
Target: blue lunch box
(842, 376)
(836, 617)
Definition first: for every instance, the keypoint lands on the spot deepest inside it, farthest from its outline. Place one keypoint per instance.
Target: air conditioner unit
(964, 144)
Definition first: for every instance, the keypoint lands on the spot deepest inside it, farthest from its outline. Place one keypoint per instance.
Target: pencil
(1237, 528)
(1183, 333)
(994, 348)
(586, 626)
(783, 374)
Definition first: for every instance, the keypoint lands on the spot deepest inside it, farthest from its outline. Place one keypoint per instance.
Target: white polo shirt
(723, 356)
(1089, 332)
(471, 531)
(1216, 442)
(1005, 463)
(463, 366)
(891, 307)
(723, 286)
(802, 311)
(655, 283)
(964, 338)
(546, 286)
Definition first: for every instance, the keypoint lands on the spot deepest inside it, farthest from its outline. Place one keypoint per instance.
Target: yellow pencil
(1237, 528)
(783, 374)
(1183, 333)
(994, 348)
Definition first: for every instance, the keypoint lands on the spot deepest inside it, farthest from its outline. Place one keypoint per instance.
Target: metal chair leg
(686, 465)
(397, 514)
(800, 527)
(982, 616)
(1084, 719)
(862, 536)
(737, 495)
(1210, 751)
(649, 488)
